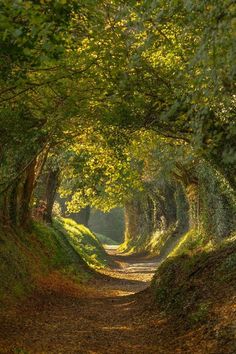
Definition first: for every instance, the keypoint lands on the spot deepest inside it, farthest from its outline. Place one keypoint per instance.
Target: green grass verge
(105, 240)
(195, 275)
(153, 244)
(25, 256)
(84, 242)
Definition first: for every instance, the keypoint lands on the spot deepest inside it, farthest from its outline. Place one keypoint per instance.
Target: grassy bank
(105, 240)
(158, 243)
(196, 288)
(26, 256)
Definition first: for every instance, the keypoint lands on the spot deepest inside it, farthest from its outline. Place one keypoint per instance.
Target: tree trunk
(151, 211)
(24, 211)
(50, 195)
(192, 192)
(133, 216)
(15, 200)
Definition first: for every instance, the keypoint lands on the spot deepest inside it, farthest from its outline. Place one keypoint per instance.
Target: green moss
(131, 246)
(155, 244)
(83, 241)
(105, 240)
(190, 243)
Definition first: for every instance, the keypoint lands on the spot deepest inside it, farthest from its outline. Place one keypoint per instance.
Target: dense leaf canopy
(70, 70)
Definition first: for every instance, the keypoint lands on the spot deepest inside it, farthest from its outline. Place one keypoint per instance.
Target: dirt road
(113, 314)
(106, 316)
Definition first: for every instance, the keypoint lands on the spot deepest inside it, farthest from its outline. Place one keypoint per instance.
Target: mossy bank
(28, 255)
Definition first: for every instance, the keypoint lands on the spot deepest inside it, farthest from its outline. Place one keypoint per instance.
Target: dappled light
(117, 177)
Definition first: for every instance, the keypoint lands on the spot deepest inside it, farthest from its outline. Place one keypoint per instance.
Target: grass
(154, 244)
(190, 243)
(134, 246)
(20, 351)
(83, 241)
(27, 255)
(196, 275)
(105, 240)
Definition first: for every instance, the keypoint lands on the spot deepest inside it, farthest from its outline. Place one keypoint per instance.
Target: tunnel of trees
(93, 96)
(114, 104)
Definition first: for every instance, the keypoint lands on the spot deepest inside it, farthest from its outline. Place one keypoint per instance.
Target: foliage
(99, 172)
(217, 203)
(79, 69)
(36, 105)
(134, 104)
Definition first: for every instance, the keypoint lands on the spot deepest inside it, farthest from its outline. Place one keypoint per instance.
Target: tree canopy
(83, 83)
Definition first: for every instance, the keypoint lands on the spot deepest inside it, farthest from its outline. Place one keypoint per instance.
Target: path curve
(110, 315)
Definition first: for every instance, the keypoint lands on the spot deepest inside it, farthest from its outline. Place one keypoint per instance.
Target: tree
(115, 67)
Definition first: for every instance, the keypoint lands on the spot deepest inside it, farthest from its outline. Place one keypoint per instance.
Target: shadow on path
(108, 315)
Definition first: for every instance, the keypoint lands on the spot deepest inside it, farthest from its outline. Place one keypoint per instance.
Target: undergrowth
(156, 244)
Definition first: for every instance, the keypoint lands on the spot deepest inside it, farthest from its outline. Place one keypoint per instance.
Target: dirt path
(113, 314)
(105, 317)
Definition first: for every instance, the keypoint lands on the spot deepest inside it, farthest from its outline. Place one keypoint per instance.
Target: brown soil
(113, 314)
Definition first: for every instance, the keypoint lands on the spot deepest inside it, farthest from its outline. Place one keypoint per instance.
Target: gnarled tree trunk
(16, 199)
